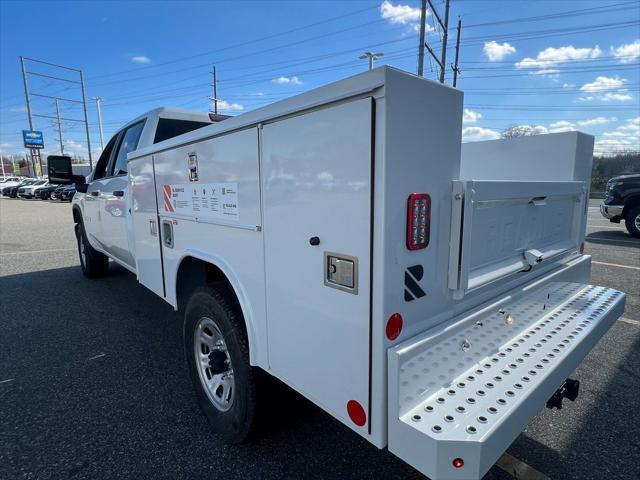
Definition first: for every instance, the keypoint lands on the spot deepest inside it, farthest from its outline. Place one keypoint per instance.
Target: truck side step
(465, 392)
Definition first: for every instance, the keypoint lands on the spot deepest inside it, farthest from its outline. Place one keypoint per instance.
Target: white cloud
(282, 80)
(596, 121)
(627, 53)
(72, 144)
(495, 51)
(403, 15)
(624, 137)
(20, 109)
(232, 107)
(603, 88)
(475, 134)
(546, 71)
(5, 145)
(616, 97)
(140, 59)
(603, 83)
(561, 126)
(551, 57)
(470, 116)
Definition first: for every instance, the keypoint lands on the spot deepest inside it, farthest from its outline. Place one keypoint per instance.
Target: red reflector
(356, 413)
(394, 326)
(458, 463)
(581, 248)
(418, 220)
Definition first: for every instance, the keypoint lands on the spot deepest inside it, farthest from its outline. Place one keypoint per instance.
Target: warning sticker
(203, 200)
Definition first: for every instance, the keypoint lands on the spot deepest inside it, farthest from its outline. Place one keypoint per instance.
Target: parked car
(622, 202)
(45, 192)
(12, 191)
(6, 186)
(29, 191)
(9, 179)
(66, 195)
(55, 195)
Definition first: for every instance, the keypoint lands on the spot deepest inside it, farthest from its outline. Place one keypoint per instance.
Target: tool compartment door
(317, 183)
(500, 228)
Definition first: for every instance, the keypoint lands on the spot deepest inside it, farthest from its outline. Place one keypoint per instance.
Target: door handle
(95, 193)
(118, 193)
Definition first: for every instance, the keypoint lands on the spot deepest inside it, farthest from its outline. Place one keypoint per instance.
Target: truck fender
(238, 288)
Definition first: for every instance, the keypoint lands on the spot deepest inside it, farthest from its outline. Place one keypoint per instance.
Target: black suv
(622, 202)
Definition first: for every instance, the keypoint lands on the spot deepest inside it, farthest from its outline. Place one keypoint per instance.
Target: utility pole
(423, 20)
(445, 38)
(59, 127)
(371, 57)
(98, 100)
(26, 94)
(215, 91)
(456, 68)
(86, 119)
(2, 162)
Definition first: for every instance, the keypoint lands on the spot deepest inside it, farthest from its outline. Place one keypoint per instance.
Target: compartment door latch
(341, 272)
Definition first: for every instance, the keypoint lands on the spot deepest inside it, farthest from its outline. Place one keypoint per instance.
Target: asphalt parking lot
(93, 382)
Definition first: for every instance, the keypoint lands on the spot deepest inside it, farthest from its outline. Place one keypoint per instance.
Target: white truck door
(114, 195)
(317, 170)
(91, 216)
(146, 229)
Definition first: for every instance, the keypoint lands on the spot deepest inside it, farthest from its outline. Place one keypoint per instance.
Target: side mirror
(61, 171)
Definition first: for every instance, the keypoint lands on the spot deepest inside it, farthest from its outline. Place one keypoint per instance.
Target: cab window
(129, 143)
(103, 161)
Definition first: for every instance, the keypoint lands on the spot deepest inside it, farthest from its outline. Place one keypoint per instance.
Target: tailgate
(500, 228)
(466, 390)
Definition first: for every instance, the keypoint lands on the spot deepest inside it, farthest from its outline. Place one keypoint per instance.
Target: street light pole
(98, 100)
(371, 57)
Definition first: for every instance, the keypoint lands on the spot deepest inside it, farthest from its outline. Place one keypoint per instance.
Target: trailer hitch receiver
(569, 389)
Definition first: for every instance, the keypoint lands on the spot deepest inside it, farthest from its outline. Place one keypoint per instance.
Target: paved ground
(93, 382)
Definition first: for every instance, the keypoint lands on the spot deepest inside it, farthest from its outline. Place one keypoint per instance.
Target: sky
(551, 65)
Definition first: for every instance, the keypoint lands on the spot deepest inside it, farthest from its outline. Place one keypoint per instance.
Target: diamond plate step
(467, 391)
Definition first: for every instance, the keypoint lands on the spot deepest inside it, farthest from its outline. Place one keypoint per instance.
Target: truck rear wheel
(217, 352)
(632, 222)
(93, 263)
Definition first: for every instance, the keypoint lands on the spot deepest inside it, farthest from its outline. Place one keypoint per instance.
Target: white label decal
(203, 200)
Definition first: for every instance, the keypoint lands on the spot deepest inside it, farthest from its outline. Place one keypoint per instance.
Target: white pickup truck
(431, 296)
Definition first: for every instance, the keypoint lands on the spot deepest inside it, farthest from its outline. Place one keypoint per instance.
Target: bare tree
(521, 131)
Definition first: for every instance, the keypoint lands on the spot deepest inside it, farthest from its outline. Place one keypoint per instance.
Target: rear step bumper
(468, 390)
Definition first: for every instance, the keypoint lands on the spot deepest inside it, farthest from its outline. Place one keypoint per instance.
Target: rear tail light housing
(418, 220)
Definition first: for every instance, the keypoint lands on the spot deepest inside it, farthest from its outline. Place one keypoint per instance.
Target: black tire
(632, 222)
(237, 423)
(93, 263)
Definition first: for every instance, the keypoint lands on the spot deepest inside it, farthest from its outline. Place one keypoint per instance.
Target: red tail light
(418, 220)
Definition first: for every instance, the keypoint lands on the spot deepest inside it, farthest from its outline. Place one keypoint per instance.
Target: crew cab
(100, 206)
(622, 202)
(429, 295)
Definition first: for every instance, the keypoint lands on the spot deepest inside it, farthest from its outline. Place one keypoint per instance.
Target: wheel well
(77, 216)
(194, 273)
(631, 203)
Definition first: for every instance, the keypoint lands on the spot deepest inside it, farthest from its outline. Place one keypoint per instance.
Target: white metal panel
(144, 215)
(234, 246)
(554, 157)
(502, 221)
(317, 182)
